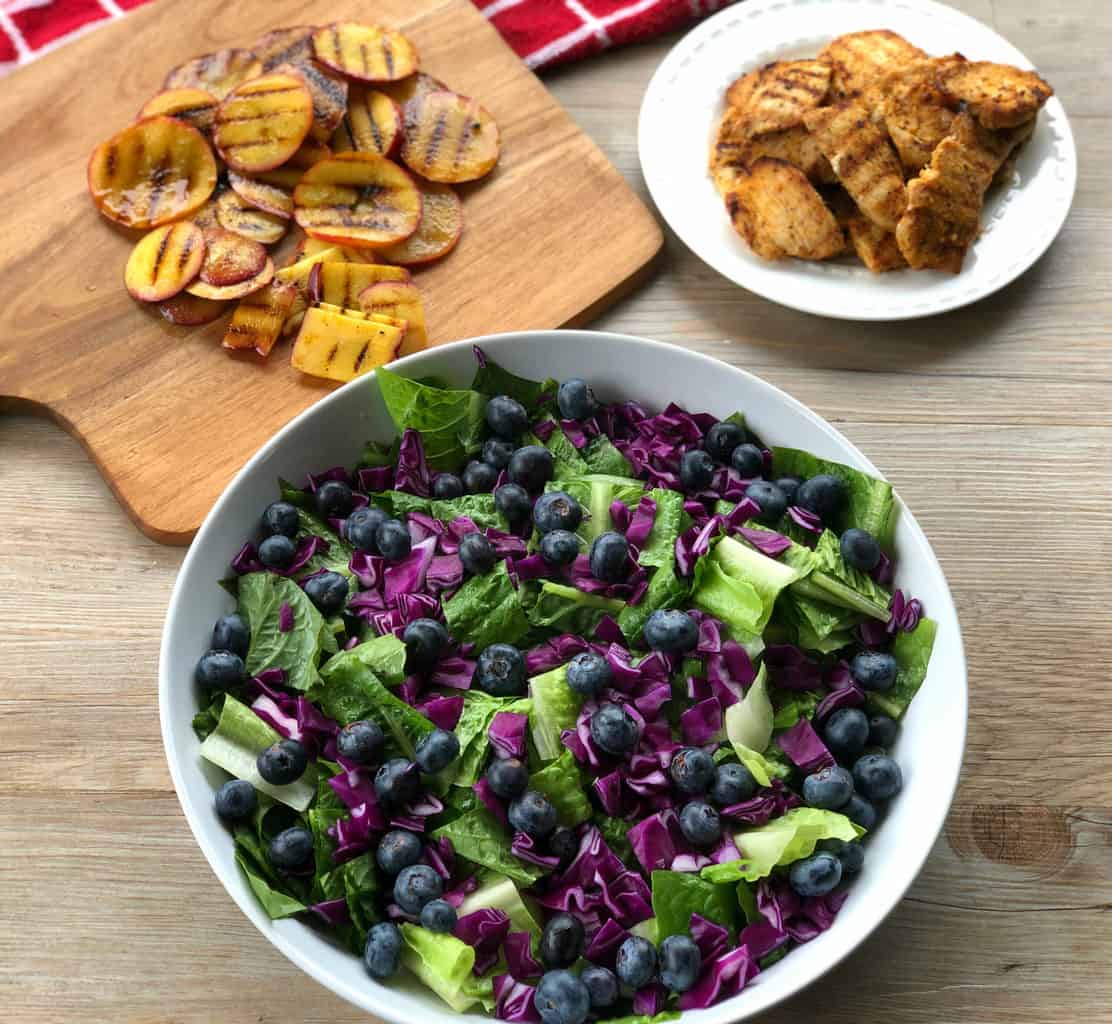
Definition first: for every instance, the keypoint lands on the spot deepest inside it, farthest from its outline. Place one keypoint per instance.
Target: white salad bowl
(333, 432)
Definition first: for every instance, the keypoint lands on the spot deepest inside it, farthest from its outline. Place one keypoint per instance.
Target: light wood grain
(995, 425)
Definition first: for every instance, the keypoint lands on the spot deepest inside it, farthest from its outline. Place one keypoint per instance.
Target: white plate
(685, 100)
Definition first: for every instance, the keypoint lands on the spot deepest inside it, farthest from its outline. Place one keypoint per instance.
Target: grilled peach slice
(187, 310)
(230, 258)
(261, 195)
(291, 172)
(357, 199)
(205, 217)
(233, 291)
(164, 261)
(401, 92)
(217, 73)
(367, 53)
(439, 230)
(193, 106)
(336, 346)
(373, 124)
(449, 138)
(263, 122)
(297, 273)
(154, 171)
(340, 284)
(258, 319)
(401, 300)
(343, 253)
(240, 217)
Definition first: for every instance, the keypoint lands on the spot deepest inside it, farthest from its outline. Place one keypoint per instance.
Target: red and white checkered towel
(543, 32)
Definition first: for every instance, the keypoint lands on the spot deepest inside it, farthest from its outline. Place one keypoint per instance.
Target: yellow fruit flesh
(339, 347)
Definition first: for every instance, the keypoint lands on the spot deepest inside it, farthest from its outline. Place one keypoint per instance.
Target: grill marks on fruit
(259, 317)
(194, 106)
(264, 122)
(439, 230)
(230, 258)
(217, 73)
(235, 214)
(448, 137)
(373, 123)
(164, 261)
(368, 53)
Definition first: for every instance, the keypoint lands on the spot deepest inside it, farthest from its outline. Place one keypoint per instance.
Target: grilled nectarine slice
(357, 199)
(340, 347)
(340, 284)
(439, 230)
(367, 53)
(187, 310)
(263, 122)
(373, 124)
(258, 319)
(401, 92)
(154, 171)
(193, 106)
(230, 258)
(262, 195)
(449, 138)
(401, 300)
(218, 73)
(164, 261)
(240, 217)
(297, 273)
(343, 253)
(234, 291)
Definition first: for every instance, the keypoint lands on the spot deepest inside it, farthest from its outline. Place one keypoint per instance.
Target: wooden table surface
(994, 422)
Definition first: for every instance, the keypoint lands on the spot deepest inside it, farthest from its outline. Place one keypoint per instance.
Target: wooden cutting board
(168, 416)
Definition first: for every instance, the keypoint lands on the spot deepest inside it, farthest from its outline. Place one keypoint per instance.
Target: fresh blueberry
(513, 502)
(290, 849)
(576, 399)
(231, 634)
(415, 886)
(396, 850)
(749, 461)
(609, 557)
(501, 671)
(477, 554)
(680, 962)
(497, 452)
(361, 527)
(860, 549)
(507, 777)
(700, 824)
(559, 547)
(562, 998)
(846, 732)
(280, 517)
(850, 855)
(328, 591)
(532, 814)
(507, 417)
(557, 510)
(733, 784)
(874, 670)
(588, 673)
(479, 477)
(602, 986)
(277, 552)
(769, 499)
(564, 844)
(447, 486)
(828, 788)
(877, 777)
(382, 955)
(436, 751)
(636, 963)
(532, 467)
(282, 762)
(360, 742)
(397, 782)
(614, 730)
(393, 540)
(334, 500)
(692, 770)
(425, 642)
(790, 486)
(815, 875)
(825, 495)
(220, 670)
(672, 631)
(722, 439)
(883, 731)
(236, 800)
(696, 470)
(438, 916)
(861, 812)
(562, 941)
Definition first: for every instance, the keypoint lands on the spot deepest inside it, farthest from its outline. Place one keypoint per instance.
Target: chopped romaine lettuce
(678, 894)
(536, 395)
(912, 652)
(749, 727)
(487, 610)
(479, 508)
(497, 892)
(442, 962)
(567, 610)
(602, 457)
(561, 783)
(555, 708)
(739, 585)
(479, 710)
(298, 650)
(595, 492)
(480, 838)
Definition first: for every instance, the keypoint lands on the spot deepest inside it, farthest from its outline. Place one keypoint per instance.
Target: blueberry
(772, 501)
(722, 439)
(602, 986)
(479, 477)
(815, 875)
(501, 671)
(636, 963)
(361, 527)
(672, 631)
(513, 502)
(789, 485)
(825, 495)
(613, 730)
(680, 962)
(497, 452)
(874, 670)
(507, 777)
(532, 467)
(860, 811)
(850, 855)
(696, 470)
(562, 941)
(532, 814)
(749, 461)
(396, 850)
(828, 788)
(334, 500)
(700, 824)
(220, 670)
(397, 782)
(360, 742)
(860, 550)
(425, 643)
(733, 784)
(507, 417)
(415, 886)
(236, 800)
(576, 399)
(846, 732)
(436, 751)
(393, 540)
(562, 998)
(477, 554)
(231, 634)
(609, 557)
(290, 849)
(557, 510)
(447, 486)
(382, 955)
(692, 770)
(438, 916)
(328, 591)
(588, 673)
(280, 517)
(563, 843)
(277, 552)
(883, 731)
(282, 763)
(559, 547)
(877, 777)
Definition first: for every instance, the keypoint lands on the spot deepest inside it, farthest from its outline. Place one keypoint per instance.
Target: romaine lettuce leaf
(817, 620)
(555, 708)
(471, 730)
(261, 596)
(595, 492)
(660, 548)
(739, 585)
(792, 705)
(666, 590)
(496, 892)
(912, 652)
(251, 859)
(678, 894)
(338, 556)
(442, 962)
(535, 395)
(602, 457)
(383, 655)
(561, 783)
(486, 610)
(614, 832)
(567, 610)
(478, 507)
(480, 838)
(749, 728)
(566, 460)
(377, 453)
(361, 890)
